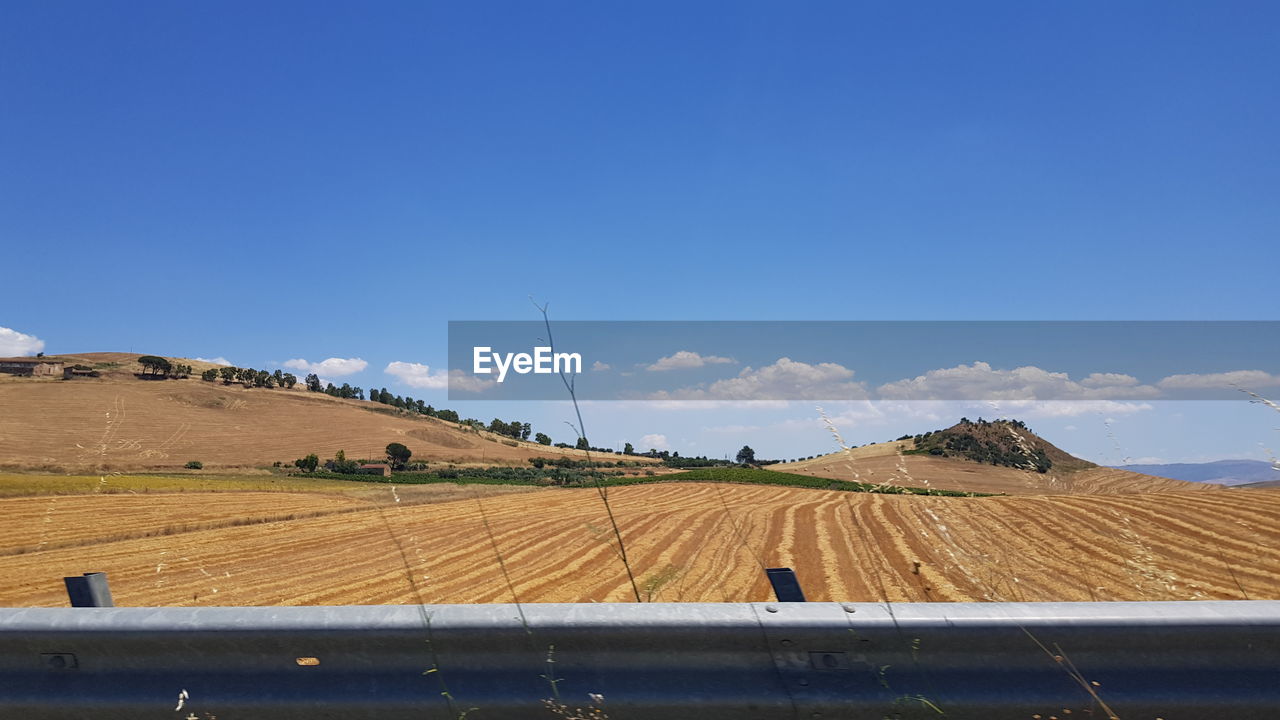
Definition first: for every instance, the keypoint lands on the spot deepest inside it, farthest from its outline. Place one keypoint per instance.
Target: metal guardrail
(756, 661)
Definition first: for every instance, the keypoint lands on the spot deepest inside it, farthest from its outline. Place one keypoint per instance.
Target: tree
(228, 374)
(746, 455)
(289, 380)
(308, 463)
(542, 439)
(209, 375)
(582, 444)
(155, 365)
(398, 454)
(313, 382)
(525, 429)
(627, 449)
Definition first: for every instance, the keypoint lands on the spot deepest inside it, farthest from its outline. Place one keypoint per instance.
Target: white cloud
(686, 359)
(16, 344)
(980, 381)
(466, 382)
(418, 375)
(655, 442)
(1218, 381)
(786, 379)
(216, 361)
(598, 366)
(1099, 380)
(336, 367)
(1032, 409)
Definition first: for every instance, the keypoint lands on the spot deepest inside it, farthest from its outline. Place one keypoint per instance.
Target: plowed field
(686, 543)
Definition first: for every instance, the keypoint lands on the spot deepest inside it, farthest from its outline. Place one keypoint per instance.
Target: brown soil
(711, 542)
(117, 422)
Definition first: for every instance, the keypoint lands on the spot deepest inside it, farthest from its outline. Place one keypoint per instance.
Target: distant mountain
(1226, 472)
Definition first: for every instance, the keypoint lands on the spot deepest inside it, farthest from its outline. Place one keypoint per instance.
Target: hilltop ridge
(1008, 443)
(119, 422)
(1002, 456)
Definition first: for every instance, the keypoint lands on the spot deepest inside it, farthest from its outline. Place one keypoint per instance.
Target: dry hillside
(118, 422)
(887, 463)
(687, 543)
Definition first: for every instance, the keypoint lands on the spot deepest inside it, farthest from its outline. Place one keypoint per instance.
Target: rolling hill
(1072, 532)
(118, 422)
(946, 460)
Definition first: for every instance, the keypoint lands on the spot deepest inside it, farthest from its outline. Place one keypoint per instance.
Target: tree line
(250, 377)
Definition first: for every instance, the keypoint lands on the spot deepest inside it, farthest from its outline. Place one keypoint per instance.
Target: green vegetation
(588, 478)
(194, 465)
(398, 454)
(154, 366)
(1009, 443)
(23, 484)
(250, 377)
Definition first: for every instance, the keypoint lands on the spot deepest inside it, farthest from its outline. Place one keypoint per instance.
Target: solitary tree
(582, 444)
(155, 365)
(398, 454)
(746, 455)
(542, 439)
(627, 449)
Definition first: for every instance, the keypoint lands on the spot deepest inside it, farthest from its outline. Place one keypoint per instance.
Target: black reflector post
(91, 590)
(785, 584)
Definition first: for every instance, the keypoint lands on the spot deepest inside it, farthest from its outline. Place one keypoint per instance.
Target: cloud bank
(16, 344)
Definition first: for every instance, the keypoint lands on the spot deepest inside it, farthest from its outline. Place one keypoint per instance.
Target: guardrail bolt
(59, 661)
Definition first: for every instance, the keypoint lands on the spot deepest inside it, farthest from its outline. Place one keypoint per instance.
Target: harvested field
(692, 542)
(34, 524)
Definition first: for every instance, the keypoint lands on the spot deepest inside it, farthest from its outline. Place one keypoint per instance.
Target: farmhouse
(75, 371)
(382, 469)
(31, 366)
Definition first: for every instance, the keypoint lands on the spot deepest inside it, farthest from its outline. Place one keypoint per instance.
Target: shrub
(194, 465)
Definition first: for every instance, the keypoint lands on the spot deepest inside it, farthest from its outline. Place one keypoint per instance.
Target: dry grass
(881, 462)
(1177, 546)
(117, 422)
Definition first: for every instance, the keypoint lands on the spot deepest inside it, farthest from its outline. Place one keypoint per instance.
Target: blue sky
(265, 182)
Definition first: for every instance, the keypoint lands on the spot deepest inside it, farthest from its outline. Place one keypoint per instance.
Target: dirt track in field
(686, 542)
